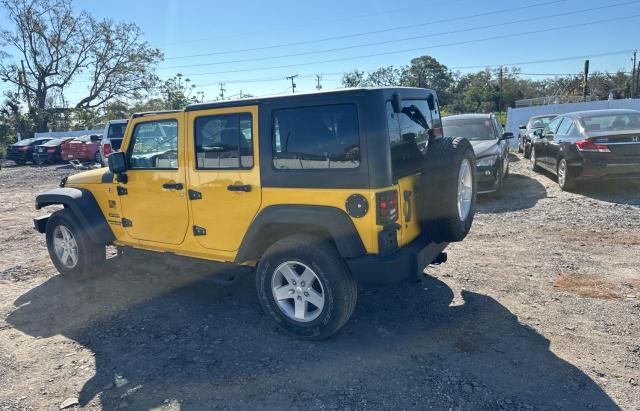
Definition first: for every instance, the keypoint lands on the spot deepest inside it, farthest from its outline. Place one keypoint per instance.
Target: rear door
(224, 174)
(154, 207)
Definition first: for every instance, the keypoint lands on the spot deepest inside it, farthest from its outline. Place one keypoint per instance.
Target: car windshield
(469, 128)
(540, 122)
(52, 143)
(612, 122)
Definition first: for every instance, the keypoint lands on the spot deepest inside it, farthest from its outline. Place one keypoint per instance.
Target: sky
(252, 46)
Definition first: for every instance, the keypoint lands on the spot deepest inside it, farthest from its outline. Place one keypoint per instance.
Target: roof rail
(151, 113)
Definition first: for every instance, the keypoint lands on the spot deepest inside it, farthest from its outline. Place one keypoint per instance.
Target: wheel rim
(298, 291)
(465, 189)
(532, 157)
(65, 246)
(562, 172)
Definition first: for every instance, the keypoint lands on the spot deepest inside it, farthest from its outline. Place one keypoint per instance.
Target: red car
(85, 148)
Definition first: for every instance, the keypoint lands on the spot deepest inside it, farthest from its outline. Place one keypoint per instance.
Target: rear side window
(319, 137)
(408, 135)
(224, 142)
(565, 126)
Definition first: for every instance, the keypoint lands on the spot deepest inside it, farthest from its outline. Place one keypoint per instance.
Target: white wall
(61, 134)
(518, 116)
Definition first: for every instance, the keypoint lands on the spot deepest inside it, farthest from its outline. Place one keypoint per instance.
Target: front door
(154, 206)
(224, 175)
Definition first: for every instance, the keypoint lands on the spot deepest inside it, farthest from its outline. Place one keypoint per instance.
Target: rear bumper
(44, 157)
(19, 156)
(628, 169)
(407, 263)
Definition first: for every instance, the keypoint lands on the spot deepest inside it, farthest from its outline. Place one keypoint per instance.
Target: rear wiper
(416, 116)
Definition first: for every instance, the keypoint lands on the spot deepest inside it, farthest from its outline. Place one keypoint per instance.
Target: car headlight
(487, 161)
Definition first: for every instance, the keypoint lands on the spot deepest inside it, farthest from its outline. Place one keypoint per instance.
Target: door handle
(244, 188)
(173, 186)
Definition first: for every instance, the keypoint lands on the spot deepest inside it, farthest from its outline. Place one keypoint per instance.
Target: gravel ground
(539, 308)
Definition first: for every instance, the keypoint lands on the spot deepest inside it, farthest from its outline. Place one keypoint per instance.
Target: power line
(573, 12)
(554, 60)
(345, 36)
(456, 43)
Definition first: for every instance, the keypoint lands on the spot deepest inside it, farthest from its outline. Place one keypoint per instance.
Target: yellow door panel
(410, 227)
(225, 172)
(155, 207)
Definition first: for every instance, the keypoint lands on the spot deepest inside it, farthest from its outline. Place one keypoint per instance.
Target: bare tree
(54, 46)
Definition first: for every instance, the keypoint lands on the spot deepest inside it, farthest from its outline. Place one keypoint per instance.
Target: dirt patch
(587, 286)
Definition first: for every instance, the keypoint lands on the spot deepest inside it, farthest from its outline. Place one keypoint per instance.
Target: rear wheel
(448, 189)
(305, 287)
(71, 250)
(97, 157)
(566, 176)
(20, 162)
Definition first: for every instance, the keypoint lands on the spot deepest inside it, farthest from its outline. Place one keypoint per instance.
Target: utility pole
(585, 89)
(293, 85)
(222, 90)
(318, 85)
(633, 76)
(500, 90)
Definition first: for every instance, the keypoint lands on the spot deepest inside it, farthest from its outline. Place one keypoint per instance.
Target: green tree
(178, 92)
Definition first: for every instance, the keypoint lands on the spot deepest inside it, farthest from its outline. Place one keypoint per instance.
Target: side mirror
(396, 103)
(117, 162)
(507, 136)
(95, 137)
(537, 132)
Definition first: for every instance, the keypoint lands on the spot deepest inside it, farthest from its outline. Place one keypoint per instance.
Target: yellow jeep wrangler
(315, 191)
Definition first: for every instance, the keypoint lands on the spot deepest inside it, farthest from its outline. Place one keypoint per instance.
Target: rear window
(470, 128)
(116, 130)
(23, 142)
(319, 137)
(540, 122)
(612, 122)
(408, 138)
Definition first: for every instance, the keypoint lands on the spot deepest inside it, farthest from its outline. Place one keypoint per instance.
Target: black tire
(97, 157)
(500, 186)
(90, 256)
(521, 146)
(568, 183)
(437, 193)
(527, 151)
(534, 163)
(20, 162)
(338, 287)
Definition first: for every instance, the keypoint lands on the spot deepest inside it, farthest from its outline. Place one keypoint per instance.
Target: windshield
(52, 143)
(540, 122)
(612, 122)
(471, 129)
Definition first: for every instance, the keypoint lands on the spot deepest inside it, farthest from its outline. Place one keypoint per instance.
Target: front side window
(319, 137)
(565, 127)
(154, 145)
(224, 141)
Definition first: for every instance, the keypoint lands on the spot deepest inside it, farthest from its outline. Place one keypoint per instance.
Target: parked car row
(589, 145)
(93, 147)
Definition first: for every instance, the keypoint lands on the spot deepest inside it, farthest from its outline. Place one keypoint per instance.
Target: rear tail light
(589, 146)
(23, 149)
(106, 149)
(387, 207)
(51, 150)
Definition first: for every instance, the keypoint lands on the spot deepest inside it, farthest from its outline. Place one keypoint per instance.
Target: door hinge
(127, 223)
(122, 191)
(199, 231)
(195, 195)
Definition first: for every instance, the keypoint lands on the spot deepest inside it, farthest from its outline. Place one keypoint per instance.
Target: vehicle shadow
(520, 193)
(160, 336)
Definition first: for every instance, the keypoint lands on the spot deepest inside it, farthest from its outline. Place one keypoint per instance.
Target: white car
(112, 138)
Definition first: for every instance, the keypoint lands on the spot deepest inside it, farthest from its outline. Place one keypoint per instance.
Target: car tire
(285, 266)
(527, 151)
(534, 161)
(20, 162)
(71, 250)
(446, 198)
(521, 147)
(500, 184)
(97, 157)
(566, 176)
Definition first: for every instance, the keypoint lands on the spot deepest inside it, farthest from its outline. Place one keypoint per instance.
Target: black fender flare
(275, 222)
(84, 206)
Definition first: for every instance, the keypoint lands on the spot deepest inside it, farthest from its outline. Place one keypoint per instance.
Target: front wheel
(305, 287)
(71, 250)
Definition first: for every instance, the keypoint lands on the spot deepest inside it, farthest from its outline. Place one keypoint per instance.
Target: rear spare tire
(448, 189)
